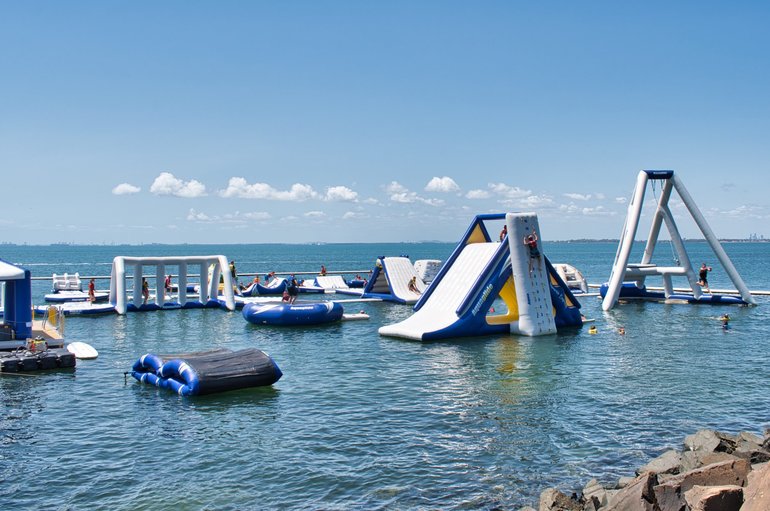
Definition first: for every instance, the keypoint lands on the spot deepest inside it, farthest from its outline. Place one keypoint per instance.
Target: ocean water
(360, 421)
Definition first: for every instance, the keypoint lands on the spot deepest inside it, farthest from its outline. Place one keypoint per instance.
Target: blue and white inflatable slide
(481, 271)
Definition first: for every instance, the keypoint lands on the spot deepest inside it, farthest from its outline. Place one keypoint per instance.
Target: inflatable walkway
(390, 281)
(481, 271)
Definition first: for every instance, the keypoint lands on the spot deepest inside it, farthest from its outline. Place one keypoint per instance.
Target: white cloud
(597, 211)
(621, 200)
(196, 216)
(478, 194)
(401, 194)
(509, 192)
(238, 187)
(578, 196)
(167, 184)
(125, 189)
(535, 201)
(395, 187)
(442, 184)
(341, 194)
(314, 214)
(228, 218)
(350, 215)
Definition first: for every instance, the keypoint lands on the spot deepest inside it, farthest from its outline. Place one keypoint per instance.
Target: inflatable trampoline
(285, 314)
(193, 374)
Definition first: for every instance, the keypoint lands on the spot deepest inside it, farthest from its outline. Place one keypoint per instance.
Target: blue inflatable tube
(285, 314)
(193, 374)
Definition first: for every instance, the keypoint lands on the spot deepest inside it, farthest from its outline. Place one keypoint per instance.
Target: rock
(703, 440)
(667, 463)
(636, 496)
(749, 447)
(670, 494)
(750, 437)
(756, 495)
(554, 500)
(714, 498)
(624, 481)
(594, 490)
(726, 442)
(528, 508)
(696, 459)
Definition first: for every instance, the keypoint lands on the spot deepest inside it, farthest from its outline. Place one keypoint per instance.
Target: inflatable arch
(209, 282)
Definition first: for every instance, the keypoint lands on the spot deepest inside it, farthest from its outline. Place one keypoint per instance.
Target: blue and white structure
(482, 271)
(209, 282)
(390, 281)
(16, 326)
(296, 314)
(628, 280)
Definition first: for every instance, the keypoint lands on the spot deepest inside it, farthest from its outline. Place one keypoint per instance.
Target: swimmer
(622, 331)
(592, 329)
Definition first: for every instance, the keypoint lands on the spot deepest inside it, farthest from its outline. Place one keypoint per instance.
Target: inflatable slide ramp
(481, 274)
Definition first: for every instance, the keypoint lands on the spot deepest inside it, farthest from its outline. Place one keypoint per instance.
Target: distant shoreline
(581, 240)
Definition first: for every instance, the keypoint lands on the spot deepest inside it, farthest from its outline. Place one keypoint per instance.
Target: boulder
(554, 500)
(667, 463)
(696, 459)
(670, 494)
(595, 491)
(636, 496)
(756, 495)
(749, 447)
(703, 440)
(714, 498)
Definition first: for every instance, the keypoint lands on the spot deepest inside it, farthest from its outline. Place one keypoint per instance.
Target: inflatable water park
(483, 270)
(490, 284)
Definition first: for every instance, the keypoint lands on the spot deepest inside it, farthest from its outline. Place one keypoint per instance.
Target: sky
(362, 121)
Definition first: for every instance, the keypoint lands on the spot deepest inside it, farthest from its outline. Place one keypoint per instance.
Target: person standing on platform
(703, 275)
(91, 291)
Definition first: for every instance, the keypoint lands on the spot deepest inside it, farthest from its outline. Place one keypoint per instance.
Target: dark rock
(756, 495)
(714, 498)
(670, 494)
(637, 496)
(554, 500)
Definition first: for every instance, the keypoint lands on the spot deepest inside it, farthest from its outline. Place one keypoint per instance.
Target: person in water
(703, 276)
(530, 241)
(725, 321)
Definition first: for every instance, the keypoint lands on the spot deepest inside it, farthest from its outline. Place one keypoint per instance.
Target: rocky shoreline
(714, 471)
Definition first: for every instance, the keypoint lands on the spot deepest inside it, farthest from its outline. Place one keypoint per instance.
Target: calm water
(364, 422)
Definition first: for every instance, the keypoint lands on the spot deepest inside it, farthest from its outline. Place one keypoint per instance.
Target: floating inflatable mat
(207, 372)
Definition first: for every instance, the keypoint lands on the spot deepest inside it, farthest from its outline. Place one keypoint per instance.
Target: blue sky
(227, 122)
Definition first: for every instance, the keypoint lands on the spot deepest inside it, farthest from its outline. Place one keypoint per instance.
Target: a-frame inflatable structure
(479, 271)
(627, 280)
